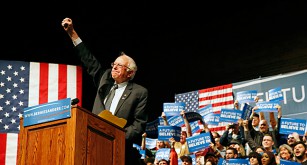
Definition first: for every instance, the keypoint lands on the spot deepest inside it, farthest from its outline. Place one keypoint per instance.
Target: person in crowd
(212, 148)
(268, 143)
(285, 152)
(215, 134)
(163, 162)
(304, 138)
(255, 121)
(238, 146)
(231, 153)
(149, 161)
(268, 158)
(159, 144)
(181, 147)
(186, 160)
(209, 162)
(254, 158)
(254, 117)
(130, 100)
(261, 116)
(267, 140)
(293, 138)
(300, 152)
(219, 148)
(255, 138)
(259, 149)
(233, 131)
(211, 157)
(200, 160)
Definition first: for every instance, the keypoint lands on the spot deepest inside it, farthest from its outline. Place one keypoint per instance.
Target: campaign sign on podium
(47, 112)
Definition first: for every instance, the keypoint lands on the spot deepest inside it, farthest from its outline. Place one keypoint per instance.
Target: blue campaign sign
(276, 94)
(167, 132)
(205, 110)
(246, 111)
(47, 112)
(292, 86)
(230, 115)
(173, 109)
(246, 96)
(163, 153)
(150, 143)
(233, 161)
(198, 142)
(212, 119)
(288, 126)
(287, 162)
(152, 128)
(176, 121)
(195, 126)
(267, 106)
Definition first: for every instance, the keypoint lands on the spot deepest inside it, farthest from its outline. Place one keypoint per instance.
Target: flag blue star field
(25, 84)
(14, 89)
(190, 99)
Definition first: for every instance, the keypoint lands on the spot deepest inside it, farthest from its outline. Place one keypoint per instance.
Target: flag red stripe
(3, 139)
(215, 96)
(43, 83)
(62, 88)
(79, 85)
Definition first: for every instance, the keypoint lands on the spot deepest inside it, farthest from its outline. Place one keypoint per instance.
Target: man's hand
(69, 28)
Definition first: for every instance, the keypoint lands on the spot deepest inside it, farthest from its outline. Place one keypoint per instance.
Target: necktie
(110, 97)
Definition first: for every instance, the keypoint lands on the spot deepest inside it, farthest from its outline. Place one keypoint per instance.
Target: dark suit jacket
(133, 103)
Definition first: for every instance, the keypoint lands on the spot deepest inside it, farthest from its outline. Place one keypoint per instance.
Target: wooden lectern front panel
(46, 145)
(82, 139)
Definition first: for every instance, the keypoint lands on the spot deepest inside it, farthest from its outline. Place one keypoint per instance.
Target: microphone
(75, 101)
(65, 25)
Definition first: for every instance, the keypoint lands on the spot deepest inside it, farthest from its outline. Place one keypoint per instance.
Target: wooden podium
(82, 139)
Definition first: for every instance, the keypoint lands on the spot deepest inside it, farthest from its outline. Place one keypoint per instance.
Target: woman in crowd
(268, 158)
(254, 158)
(286, 152)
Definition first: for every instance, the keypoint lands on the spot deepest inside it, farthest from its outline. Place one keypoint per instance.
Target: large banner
(294, 104)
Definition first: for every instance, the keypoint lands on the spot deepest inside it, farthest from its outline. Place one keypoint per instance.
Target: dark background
(178, 46)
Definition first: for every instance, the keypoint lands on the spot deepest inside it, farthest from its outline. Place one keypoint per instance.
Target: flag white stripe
(11, 149)
(215, 92)
(71, 81)
(53, 79)
(34, 84)
(214, 101)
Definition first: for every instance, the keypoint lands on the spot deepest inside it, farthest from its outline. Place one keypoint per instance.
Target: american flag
(219, 97)
(25, 84)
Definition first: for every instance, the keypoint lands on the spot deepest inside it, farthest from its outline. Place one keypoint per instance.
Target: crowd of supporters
(256, 139)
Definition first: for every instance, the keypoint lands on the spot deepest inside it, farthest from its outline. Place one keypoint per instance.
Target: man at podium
(130, 99)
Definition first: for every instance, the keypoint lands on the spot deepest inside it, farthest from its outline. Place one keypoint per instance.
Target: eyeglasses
(119, 65)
